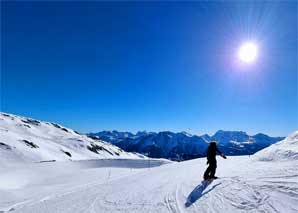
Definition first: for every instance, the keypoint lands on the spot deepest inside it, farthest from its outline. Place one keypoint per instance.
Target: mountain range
(110, 182)
(184, 146)
(30, 140)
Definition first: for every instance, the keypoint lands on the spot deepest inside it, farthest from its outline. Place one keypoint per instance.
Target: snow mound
(28, 140)
(286, 149)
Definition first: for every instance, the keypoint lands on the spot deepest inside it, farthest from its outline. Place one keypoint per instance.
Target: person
(211, 160)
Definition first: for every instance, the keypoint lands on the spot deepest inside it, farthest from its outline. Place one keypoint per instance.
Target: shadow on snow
(198, 192)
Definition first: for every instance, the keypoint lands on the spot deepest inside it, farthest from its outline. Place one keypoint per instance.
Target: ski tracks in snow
(168, 188)
(174, 201)
(251, 195)
(238, 194)
(22, 206)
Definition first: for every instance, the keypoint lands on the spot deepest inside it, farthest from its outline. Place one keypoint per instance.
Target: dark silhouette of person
(211, 160)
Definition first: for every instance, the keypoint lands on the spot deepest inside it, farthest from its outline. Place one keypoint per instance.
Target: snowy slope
(244, 186)
(28, 140)
(136, 185)
(286, 149)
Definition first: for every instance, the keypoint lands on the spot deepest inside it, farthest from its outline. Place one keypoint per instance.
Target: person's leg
(212, 169)
(206, 174)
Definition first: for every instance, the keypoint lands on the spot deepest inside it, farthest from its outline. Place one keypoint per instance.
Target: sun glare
(248, 52)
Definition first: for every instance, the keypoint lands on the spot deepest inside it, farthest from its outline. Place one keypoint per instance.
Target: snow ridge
(286, 149)
(28, 140)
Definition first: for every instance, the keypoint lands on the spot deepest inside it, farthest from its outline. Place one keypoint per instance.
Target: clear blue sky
(151, 66)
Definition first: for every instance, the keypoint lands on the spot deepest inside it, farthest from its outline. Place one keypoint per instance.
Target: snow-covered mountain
(240, 143)
(175, 146)
(184, 146)
(264, 182)
(284, 150)
(29, 140)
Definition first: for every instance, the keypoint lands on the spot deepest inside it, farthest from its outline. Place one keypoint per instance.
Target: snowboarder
(211, 160)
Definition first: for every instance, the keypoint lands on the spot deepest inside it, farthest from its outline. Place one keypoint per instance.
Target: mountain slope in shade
(29, 140)
(286, 149)
(184, 146)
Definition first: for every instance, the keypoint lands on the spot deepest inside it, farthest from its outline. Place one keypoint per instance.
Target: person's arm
(207, 155)
(221, 154)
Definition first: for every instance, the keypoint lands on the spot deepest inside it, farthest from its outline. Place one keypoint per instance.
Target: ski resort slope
(244, 185)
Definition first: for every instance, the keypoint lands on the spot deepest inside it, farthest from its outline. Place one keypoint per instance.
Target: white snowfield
(244, 185)
(29, 140)
(266, 182)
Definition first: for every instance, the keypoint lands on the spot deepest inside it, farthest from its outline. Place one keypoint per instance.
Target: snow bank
(286, 149)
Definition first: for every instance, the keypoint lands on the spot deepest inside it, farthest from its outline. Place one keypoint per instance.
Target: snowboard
(210, 179)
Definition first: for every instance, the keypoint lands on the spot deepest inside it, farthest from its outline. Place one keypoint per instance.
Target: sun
(248, 52)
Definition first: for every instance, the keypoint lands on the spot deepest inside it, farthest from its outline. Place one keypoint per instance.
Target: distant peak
(229, 132)
(186, 133)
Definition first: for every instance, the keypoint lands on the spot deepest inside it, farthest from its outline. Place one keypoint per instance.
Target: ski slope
(99, 177)
(245, 185)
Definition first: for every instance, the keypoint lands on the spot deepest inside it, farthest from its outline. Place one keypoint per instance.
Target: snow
(284, 150)
(105, 182)
(244, 185)
(28, 140)
(184, 146)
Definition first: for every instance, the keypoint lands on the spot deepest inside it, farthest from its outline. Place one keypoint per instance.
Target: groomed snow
(245, 185)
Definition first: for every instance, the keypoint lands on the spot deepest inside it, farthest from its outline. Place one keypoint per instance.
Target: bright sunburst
(248, 52)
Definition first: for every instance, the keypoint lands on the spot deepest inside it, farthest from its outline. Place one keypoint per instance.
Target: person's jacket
(211, 153)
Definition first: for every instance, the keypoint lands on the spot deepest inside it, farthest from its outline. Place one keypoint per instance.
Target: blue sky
(151, 66)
